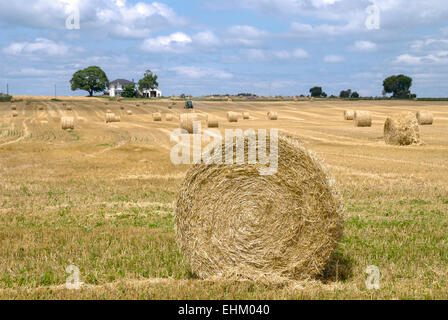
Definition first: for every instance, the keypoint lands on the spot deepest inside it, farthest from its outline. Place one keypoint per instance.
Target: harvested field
(101, 197)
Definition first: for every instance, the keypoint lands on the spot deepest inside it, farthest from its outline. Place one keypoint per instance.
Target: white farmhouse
(116, 88)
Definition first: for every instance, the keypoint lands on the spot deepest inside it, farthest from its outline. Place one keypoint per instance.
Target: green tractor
(189, 105)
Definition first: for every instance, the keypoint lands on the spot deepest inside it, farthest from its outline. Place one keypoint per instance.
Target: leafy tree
(345, 93)
(92, 79)
(324, 95)
(354, 95)
(316, 92)
(148, 82)
(398, 85)
(129, 91)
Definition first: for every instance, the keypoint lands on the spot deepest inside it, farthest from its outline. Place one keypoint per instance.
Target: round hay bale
(117, 119)
(13, 107)
(272, 115)
(232, 223)
(110, 117)
(349, 114)
(119, 99)
(232, 116)
(363, 119)
(68, 108)
(15, 114)
(187, 122)
(246, 115)
(28, 102)
(425, 118)
(108, 111)
(402, 129)
(212, 122)
(41, 108)
(169, 117)
(129, 112)
(157, 116)
(68, 123)
(122, 108)
(229, 100)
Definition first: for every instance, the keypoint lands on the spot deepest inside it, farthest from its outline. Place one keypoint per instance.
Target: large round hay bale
(349, 114)
(232, 116)
(117, 119)
(212, 122)
(129, 112)
(122, 108)
(187, 122)
(363, 119)
(425, 118)
(233, 223)
(15, 114)
(68, 123)
(110, 117)
(13, 107)
(272, 115)
(41, 107)
(108, 111)
(169, 117)
(402, 129)
(157, 116)
(246, 115)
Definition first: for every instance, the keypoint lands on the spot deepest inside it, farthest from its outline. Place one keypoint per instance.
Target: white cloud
(206, 39)
(364, 46)
(245, 35)
(333, 59)
(40, 46)
(119, 18)
(175, 43)
(192, 72)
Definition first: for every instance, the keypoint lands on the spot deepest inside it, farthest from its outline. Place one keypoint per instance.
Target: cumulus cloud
(40, 46)
(116, 18)
(245, 35)
(364, 46)
(174, 43)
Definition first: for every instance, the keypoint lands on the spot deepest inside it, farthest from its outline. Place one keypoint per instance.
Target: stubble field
(101, 197)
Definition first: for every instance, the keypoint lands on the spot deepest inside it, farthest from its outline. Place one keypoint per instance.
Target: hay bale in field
(117, 119)
(13, 107)
(402, 129)
(272, 115)
(187, 122)
(349, 114)
(246, 115)
(15, 114)
(169, 117)
(157, 116)
(41, 108)
(122, 108)
(129, 112)
(212, 122)
(232, 116)
(68, 123)
(110, 117)
(425, 118)
(28, 102)
(229, 99)
(119, 99)
(232, 223)
(108, 111)
(363, 119)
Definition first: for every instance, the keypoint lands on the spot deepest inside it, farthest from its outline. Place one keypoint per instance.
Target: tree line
(93, 79)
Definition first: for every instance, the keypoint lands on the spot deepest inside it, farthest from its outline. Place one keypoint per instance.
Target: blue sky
(278, 47)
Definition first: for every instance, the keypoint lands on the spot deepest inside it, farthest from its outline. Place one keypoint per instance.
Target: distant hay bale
(13, 107)
(229, 100)
(212, 122)
(68, 108)
(402, 129)
(109, 111)
(129, 112)
(232, 223)
(169, 117)
(272, 115)
(28, 102)
(349, 114)
(68, 123)
(425, 118)
(157, 116)
(110, 117)
(122, 108)
(41, 108)
(106, 103)
(232, 116)
(117, 119)
(246, 115)
(187, 122)
(119, 99)
(363, 119)
(15, 114)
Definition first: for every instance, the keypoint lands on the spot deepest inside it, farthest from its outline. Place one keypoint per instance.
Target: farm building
(116, 87)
